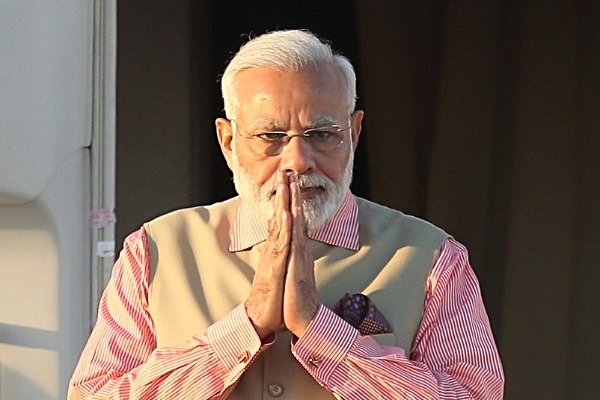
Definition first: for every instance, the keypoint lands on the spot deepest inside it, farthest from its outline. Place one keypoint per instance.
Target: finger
(284, 207)
(298, 221)
(279, 221)
(284, 189)
(300, 297)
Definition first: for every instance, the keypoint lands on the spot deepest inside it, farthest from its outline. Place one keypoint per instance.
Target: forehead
(312, 93)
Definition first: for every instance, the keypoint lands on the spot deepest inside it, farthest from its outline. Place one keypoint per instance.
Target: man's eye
(271, 136)
(320, 134)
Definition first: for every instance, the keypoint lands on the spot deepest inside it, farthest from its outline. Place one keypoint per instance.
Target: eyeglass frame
(284, 139)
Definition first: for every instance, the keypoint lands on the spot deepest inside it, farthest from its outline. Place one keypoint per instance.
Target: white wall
(53, 132)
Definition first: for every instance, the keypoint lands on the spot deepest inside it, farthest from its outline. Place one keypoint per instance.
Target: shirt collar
(340, 230)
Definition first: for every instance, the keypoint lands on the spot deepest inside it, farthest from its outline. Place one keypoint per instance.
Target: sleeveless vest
(195, 281)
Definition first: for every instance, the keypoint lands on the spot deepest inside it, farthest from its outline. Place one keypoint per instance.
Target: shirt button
(314, 361)
(275, 390)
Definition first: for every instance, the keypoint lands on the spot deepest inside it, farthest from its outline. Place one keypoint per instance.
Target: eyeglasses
(322, 139)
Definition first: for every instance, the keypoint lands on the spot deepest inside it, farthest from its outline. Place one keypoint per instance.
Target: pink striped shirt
(453, 355)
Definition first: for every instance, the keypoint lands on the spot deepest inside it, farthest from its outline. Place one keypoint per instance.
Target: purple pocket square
(360, 312)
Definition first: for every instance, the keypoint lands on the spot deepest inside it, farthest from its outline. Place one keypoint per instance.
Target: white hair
(285, 50)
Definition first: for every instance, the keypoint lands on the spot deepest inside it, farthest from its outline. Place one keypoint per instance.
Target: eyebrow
(322, 122)
(274, 126)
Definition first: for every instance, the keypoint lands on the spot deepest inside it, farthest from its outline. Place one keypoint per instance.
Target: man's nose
(297, 156)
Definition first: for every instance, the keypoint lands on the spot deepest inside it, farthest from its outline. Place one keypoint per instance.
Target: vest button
(275, 390)
(243, 357)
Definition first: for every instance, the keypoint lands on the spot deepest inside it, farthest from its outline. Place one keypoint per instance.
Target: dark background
(481, 116)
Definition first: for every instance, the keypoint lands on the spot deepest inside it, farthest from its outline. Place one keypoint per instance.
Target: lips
(307, 192)
(310, 186)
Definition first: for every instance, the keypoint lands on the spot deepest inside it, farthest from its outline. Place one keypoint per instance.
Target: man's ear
(356, 120)
(225, 136)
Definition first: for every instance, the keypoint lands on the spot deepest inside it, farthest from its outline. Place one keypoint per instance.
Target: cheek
(262, 172)
(260, 169)
(333, 166)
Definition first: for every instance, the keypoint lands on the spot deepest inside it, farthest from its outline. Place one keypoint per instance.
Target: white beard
(317, 210)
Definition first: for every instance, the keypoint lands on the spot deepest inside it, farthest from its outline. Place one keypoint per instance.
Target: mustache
(304, 181)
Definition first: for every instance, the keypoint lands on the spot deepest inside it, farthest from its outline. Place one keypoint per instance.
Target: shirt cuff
(235, 341)
(325, 344)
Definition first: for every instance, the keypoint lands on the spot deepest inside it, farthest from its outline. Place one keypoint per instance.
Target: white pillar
(56, 165)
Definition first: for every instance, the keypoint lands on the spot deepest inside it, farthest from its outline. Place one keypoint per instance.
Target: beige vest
(196, 280)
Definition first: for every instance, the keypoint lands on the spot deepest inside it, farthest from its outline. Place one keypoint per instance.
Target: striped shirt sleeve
(454, 355)
(121, 361)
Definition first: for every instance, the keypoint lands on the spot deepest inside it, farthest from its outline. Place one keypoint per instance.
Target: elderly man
(296, 288)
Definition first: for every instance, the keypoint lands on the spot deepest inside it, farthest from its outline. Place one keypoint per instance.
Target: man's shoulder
(376, 220)
(194, 215)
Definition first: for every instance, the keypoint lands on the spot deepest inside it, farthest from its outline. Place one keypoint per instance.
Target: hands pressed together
(283, 292)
